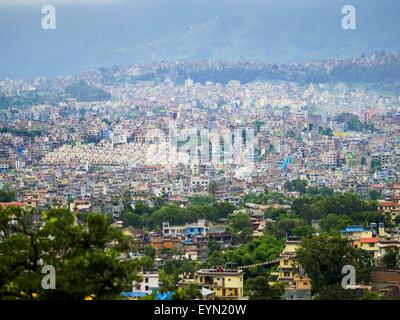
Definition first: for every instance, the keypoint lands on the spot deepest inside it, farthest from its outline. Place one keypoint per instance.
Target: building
(365, 238)
(168, 230)
(150, 283)
(391, 207)
(299, 289)
(226, 283)
(80, 205)
(165, 245)
(197, 229)
(385, 244)
(288, 269)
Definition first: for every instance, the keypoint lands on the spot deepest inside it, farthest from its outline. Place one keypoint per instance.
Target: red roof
(388, 204)
(369, 240)
(12, 204)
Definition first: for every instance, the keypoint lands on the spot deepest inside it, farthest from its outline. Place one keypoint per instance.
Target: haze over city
(199, 150)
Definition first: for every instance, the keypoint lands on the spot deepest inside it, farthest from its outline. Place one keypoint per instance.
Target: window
(146, 288)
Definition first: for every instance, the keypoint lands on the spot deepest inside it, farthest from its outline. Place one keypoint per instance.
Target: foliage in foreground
(86, 258)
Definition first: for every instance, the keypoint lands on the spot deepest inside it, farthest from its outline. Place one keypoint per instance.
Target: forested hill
(379, 71)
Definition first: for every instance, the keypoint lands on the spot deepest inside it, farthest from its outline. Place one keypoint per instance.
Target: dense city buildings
(224, 185)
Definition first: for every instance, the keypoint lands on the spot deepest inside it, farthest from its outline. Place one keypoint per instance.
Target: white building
(150, 283)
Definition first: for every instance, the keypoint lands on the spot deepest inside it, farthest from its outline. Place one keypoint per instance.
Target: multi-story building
(149, 284)
(365, 238)
(390, 207)
(288, 269)
(226, 283)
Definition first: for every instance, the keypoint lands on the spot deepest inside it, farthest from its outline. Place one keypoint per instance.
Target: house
(149, 285)
(80, 205)
(370, 245)
(385, 244)
(168, 230)
(299, 289)
(391, 207)
(165, 244)
(226, 283)
(198, 229)
(365, 238)
(288, 269)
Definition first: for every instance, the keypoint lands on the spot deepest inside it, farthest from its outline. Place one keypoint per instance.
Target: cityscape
(203, 179)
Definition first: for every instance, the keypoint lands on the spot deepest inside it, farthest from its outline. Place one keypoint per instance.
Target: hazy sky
(14, 3)
(97, 33)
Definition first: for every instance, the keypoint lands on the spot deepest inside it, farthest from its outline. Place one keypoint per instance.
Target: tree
(190, 292)
(375, 165)
(240, 226)
(310, 208)
(374, 194)
(174, 269)
(201, 200)
(7, 196)
(149, 251)
(141, 208)
(297, 185)
(131, 219)
(222, 210)
(213, 246)
(172, 214)
(273, 213)
(126, 200)
(324, 191)
(334, 222)
(336, 292)
(285, 225)
(323, 258)
(86, 258)
(363, 161)
(303, 231)
(391, 259)
(325, 131)
(258, 288)
(290, 134)
(213, 188)
(370, 295)
(83, 92)
(261, 249)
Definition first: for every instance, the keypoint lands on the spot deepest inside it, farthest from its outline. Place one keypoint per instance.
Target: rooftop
(355, 228)
(220, 271)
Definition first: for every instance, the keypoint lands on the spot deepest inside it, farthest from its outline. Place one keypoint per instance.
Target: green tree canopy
(323, 258)
(7, 196)
(239, 224)
(258, 288)
(86, 257)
